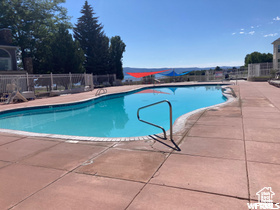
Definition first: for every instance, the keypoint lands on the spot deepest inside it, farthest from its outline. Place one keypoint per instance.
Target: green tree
(59, 53)
(31, 22)
(218, 68)
(42, 58)
(117, 48)
(102, 55)
(93, 41)
(66, 54)
(257, 57)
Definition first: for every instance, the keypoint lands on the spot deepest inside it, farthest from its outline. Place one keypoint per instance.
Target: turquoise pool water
(114, 115)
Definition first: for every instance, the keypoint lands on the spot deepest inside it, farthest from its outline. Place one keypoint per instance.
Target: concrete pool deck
(228, 155)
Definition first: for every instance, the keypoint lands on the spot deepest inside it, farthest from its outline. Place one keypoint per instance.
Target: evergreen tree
(67, 56)
(102, 58)
(42, 58)
(59, 54)
(117, 48)
(93, 41)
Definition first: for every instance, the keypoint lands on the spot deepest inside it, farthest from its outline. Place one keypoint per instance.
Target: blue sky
(183, 33)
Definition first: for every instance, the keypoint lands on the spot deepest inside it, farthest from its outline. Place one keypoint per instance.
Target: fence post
(267, 68)
(85, 78)
(27, 81)
(17, 84)
(70, 85)
(51, 82)
(91, 81)
(215, 75)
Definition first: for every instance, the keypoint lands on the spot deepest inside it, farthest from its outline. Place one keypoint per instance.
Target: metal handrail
(98, 92)
(170, 114)
(232, 92)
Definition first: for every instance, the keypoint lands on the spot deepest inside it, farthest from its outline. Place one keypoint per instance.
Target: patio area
(228, 155)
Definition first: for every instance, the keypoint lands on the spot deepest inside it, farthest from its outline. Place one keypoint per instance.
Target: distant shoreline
(177, 70)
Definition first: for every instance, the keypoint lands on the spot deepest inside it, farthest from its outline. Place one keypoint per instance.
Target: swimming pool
(114, 115)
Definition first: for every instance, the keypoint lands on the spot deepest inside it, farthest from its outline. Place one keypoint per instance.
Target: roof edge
(275, 41)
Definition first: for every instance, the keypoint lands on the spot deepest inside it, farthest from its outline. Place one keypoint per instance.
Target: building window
(5, 60)
(4, 54)
(278, 48)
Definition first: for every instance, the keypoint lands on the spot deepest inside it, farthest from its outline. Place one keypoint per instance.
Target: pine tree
(59, 54)
(117, 48)
(67, 56)
(93, 41)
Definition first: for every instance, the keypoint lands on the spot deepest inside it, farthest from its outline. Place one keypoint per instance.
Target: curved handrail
(170, 114)
(232, 92)
(98, 92)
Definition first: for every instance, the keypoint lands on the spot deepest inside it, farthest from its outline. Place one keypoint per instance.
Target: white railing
(104, 80)
(259, 69)
(42, 84)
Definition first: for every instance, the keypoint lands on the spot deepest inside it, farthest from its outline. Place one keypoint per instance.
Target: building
(8, 58)
(264, 69)
(276, 54)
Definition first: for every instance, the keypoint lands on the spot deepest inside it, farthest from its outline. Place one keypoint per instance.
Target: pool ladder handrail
(170, 115)
(98, 92)
(232, 91)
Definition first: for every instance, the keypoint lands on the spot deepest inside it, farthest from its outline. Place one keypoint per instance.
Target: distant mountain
(178, 70)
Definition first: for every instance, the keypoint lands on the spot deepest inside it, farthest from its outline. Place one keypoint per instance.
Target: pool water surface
(114, 115)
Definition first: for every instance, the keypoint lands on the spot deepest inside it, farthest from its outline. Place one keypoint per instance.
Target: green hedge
(259, 79)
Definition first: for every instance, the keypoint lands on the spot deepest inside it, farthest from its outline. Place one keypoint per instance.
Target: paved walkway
(228, 155)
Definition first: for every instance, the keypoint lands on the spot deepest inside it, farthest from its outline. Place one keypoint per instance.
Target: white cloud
(277, 18)
(252, 27)
(233, 33)
(251, 32)
(241, 32)
(268, 35)
(242, 29)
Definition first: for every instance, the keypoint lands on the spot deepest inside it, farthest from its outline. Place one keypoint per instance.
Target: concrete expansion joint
(201, 191)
